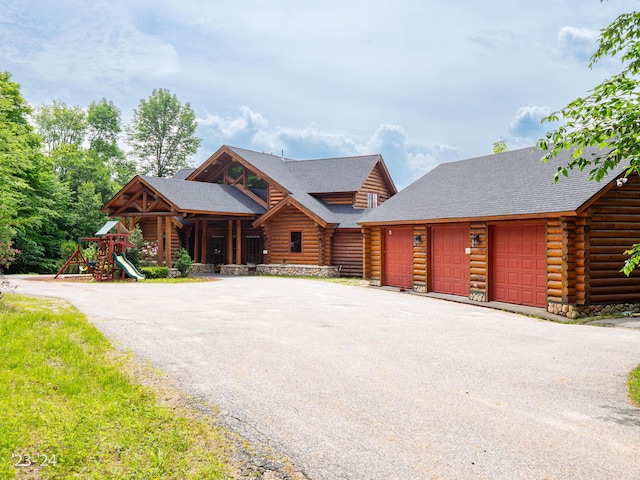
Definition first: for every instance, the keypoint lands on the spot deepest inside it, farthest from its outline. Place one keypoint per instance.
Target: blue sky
(419, 81)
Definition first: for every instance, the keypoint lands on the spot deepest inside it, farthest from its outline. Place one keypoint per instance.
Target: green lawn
(69, 410)
(634, 386)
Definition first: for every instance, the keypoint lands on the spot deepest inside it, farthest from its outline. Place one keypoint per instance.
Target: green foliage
(135, 254)
(500, 146)
(634, 386)
(162, 134)
(155, 272)
(66, 250)
(64, 395)
(607, 119)
(104, 128)
(184, 263)
(59, 124)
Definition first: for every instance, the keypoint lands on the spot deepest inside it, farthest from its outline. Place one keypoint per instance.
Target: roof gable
(511, 183)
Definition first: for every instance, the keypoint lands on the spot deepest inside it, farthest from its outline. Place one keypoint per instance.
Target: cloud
(406, 161)
(527, 127)
(577, 43)
(97, 46)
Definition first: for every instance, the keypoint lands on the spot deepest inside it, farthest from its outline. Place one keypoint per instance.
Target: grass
(69, 410)
(634, 386)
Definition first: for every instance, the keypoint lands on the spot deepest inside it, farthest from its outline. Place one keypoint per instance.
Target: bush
(155, 272)
(134, 254)
(183, 263)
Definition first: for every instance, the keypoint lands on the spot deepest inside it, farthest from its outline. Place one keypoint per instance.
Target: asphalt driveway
(364, 383)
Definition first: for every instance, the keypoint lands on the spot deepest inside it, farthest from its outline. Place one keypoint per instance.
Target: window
(372, 200)
(295, 242)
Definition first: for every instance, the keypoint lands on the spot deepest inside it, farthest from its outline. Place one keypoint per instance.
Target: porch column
(130, 224)
(230, 243)
(160, 242)
(239, 242)
(204, 245)
(169, 243)
(196, 243)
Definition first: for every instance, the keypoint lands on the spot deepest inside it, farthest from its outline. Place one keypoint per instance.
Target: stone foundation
(323, 271)
(202, 268)
(419, 288)
(582, 311)
(234, 270)
(374, 282)
(478, 296)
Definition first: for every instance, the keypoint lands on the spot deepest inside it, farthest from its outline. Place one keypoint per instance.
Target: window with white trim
(372, 200)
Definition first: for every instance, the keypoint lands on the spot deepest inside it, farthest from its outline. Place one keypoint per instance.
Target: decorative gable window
(295, 242)
(372, 200)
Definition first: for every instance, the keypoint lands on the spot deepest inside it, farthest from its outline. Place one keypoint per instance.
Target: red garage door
(519, 264)
(398, 257)
(449, 260)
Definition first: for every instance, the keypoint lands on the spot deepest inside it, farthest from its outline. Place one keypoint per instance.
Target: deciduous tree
(608, 118)
(162, 134)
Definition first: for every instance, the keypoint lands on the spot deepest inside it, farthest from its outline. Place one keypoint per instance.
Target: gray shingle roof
(302, 177)
(207, 197)
(509, 183)
(183, 173)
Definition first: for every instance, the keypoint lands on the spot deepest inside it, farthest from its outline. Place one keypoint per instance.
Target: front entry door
(217, 251)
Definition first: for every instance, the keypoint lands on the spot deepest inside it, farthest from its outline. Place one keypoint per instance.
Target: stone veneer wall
(234, 270)
(298, 270)
(581, 311)
(200, 268)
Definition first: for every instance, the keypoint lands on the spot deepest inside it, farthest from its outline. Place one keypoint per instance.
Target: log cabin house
(497, 228)
(243, 210)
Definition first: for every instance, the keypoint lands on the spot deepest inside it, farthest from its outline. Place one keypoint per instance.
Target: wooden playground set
(113, 241)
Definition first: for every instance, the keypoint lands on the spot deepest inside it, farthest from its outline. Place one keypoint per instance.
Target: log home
(242, 210)
(497, 228)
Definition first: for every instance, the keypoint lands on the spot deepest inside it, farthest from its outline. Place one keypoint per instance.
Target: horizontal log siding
(420, 259)
(366, 252)
(377, 245)
(556, 266)
(615, 226)
(336, 198)
(149, 227)
(347, 252)
(374, 183)
(275, 196)
(290, 219)
(479, 263)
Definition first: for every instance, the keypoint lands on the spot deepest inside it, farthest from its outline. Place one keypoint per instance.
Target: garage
(450, 260)
(519, 264)
(398, 257)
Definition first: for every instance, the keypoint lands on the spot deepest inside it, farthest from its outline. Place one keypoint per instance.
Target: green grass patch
(69, 410)
(634, 386)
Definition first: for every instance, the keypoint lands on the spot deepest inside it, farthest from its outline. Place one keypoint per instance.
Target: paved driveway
(363, 383)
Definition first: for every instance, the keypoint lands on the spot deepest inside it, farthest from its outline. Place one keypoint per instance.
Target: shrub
(135, 254)
(155, 272)
(183, 263)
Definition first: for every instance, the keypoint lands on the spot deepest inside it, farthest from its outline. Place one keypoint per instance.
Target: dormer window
(372, 200)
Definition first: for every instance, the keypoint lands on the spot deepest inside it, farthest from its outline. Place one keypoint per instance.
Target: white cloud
(577, 43)
(527, 127)
(406, 161)
(95, 45)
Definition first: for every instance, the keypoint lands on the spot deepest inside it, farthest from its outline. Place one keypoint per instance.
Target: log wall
(291, 219)
(347, 252)
(374, 183)
(420, 256)
(336, 198)
(614, 227)
(149, 226)
(479, 263)
(275, 196)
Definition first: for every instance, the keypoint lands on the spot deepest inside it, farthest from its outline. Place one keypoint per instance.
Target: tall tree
(32, 200)
(162, 134)
(104, 129)
(608, 118)
(59, 124)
